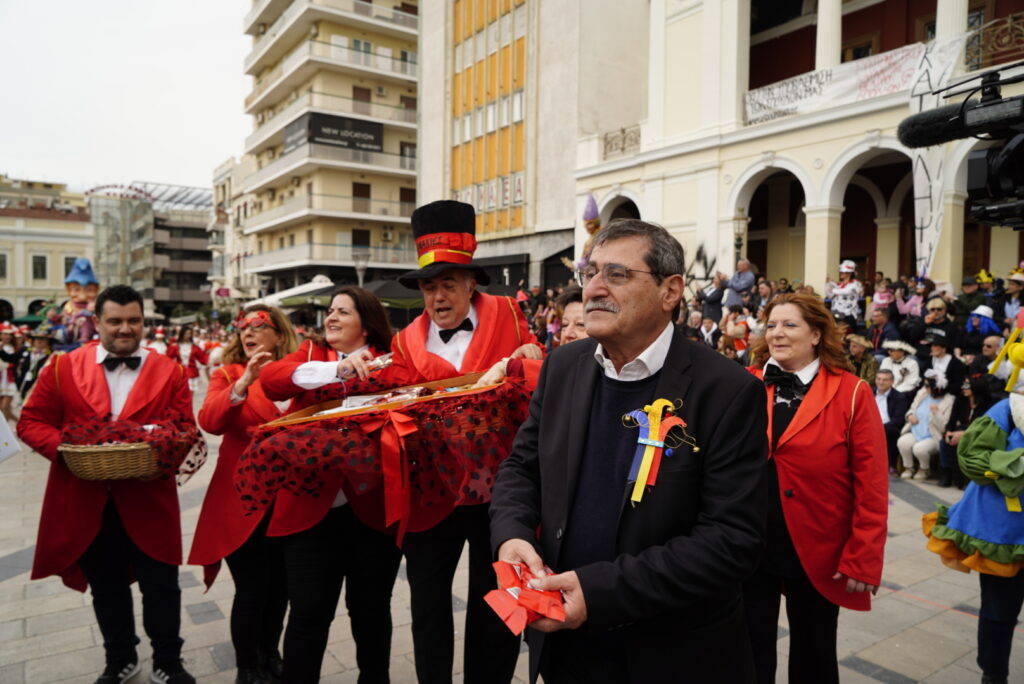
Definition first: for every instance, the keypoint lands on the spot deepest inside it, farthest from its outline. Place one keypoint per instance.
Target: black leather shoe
(250, 675)
(171, 673)
(272, 666)
(118, 673)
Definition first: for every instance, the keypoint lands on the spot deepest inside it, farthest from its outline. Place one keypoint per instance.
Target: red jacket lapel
(414, 342)
(823, 389)
(484, 349)
(156, 372)
(89, 378)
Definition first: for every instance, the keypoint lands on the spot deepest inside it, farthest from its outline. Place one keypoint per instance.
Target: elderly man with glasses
(650, 560)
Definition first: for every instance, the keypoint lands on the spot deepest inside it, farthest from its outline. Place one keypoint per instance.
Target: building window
(479, 129)
(458, 58)
(3, 267)
(506, 29)
(517, 106)
(38, 267)
(407, 56)
(491, 117)
(69, 263)
(861, 47)
(480, 43)
(467, 53)
(291, 240)
(520, 20)
(467, 127)
(503, 111)
(280, 243)
(309, 236)
(456, 130)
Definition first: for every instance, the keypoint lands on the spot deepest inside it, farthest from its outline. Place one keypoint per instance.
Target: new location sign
(334, 130)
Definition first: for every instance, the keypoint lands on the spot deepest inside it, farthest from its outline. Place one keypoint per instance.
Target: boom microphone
(933, 127)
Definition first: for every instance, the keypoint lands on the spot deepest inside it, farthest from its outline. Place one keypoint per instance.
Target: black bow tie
(773, 375)
(112, 362)
(446, 335)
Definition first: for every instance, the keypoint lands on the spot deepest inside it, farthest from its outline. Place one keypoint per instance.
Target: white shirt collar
(646, 364)
(806, 374)
(435, 331)
(343, 355)
(102, 353)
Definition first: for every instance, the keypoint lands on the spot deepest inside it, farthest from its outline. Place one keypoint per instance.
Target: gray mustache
(601, 305)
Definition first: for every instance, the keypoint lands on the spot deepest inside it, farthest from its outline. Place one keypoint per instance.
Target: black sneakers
(118, 673)
(171, 673)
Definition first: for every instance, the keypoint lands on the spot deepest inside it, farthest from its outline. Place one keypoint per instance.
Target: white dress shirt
(313, 374)
(185, 352)
(882, 400)
(646, 364)
(805, 374)
(454, 350)
(120, 381)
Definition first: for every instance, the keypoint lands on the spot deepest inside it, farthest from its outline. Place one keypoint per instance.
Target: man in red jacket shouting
(105, 533)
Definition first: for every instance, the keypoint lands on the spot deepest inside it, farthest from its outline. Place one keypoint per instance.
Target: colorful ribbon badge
(655, 421)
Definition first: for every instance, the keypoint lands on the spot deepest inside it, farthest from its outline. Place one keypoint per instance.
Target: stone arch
(615, 198)
(874, 192)
(747, 182)
(899, 194)
(846, 165)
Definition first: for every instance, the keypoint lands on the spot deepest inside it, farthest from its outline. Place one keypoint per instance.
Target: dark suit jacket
(897, 404)
(673, 593)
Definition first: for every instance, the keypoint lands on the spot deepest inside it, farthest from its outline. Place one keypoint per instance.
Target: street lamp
(361, 260)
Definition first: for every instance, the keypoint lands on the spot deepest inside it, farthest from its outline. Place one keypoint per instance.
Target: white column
(950, 17)
(821, 245)
(829, 44)
(887, 247)
(735, 61)
(654, 129)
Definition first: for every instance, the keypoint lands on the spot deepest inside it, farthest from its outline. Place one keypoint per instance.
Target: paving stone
(12, 629)
(42, 645)
(187, 580)
(12, 674)
(58, 622)
(60, 665)
(913, 568)
(952, 674)
(915, 653)
(204, 612)
(223, 655)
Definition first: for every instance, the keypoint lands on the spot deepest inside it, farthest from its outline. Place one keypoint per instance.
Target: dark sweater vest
(601, 487)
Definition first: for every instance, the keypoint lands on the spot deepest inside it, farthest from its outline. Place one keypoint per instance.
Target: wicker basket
(110, 461)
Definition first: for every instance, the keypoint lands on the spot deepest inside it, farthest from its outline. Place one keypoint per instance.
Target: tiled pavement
(922, 627)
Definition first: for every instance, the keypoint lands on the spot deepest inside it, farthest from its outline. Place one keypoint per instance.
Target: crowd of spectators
(925, 349)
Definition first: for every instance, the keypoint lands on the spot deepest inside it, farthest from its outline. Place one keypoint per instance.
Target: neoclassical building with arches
(822, 176)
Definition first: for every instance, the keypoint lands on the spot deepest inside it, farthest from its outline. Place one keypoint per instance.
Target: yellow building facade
(43, 229)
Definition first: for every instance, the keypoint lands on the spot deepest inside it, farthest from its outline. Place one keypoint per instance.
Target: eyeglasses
(613, 274)
(260, 320)
(936, 308)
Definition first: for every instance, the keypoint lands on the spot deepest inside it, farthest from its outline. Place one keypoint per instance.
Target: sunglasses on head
(259, 320)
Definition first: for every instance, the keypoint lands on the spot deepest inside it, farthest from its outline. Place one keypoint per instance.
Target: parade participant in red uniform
(188, 354)
(235, 402)
(324, 542)
(460, 331)
(104, 534)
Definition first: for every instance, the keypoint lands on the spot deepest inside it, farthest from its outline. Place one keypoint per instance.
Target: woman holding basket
(324, 542)
(235, 402)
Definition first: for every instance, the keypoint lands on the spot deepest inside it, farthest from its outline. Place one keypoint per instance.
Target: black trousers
(110, 563)
(431, 557)
(813, 621)
(317, 561)
(261, 596)
(1001, 599)
(892, 433)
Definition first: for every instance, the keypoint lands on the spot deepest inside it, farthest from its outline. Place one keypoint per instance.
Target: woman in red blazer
(189, 354)
(234, 402)
(324, 542)
(827, 473)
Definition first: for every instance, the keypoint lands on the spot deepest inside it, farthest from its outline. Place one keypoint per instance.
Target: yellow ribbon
(653, 412)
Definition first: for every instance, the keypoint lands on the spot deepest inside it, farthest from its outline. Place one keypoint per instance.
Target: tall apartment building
(508, 86)
(153, 236)
(334, 107)
(770, 131)
(230, 285)
(43, 229)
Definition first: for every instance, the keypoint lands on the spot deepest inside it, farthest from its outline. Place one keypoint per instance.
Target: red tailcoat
(74, 386)
(223, 525)
(197, 356)
(501, 329)
(832, 463)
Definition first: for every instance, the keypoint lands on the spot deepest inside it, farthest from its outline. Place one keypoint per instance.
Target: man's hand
(852, 585)
(528, 351)
(575, 605)
(522, 551)
(495, 375)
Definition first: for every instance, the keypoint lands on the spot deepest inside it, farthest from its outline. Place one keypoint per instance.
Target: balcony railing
(355, 7)
(322, 253)
(338, 104)
(997, 42)
(329, 153)
(385, 209)
(334, 54)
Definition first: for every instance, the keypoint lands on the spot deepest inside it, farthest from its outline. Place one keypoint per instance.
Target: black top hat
(445, 233)
(938, 337)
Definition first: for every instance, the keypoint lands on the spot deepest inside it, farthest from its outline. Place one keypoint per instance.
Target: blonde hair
(234, 352)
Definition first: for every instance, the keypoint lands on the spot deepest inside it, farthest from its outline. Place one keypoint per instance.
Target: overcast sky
(110, 91)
